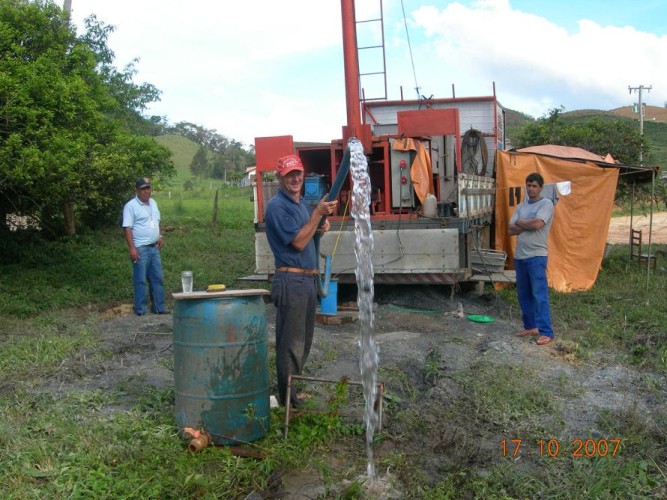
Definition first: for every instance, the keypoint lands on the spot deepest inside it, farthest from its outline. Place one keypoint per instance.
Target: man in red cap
(290, 228)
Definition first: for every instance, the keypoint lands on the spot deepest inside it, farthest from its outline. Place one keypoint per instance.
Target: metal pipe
(351, 64)
(199, 443)
(377, 405)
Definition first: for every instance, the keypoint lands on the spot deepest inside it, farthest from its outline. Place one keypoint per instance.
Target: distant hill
(651, 113)
(182, 151)
(514, 122)
(655, 126)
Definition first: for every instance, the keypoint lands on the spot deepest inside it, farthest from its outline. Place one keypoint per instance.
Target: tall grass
(94, 268)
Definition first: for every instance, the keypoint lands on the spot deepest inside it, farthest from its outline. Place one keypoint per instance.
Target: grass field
(97, 265)
(79, 447)
(182, 151)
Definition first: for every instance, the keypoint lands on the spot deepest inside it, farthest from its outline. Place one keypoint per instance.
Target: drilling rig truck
(431, 163)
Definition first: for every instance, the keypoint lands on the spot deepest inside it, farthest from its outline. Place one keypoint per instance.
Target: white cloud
(536, 64)
(213, 61)
(261, 67)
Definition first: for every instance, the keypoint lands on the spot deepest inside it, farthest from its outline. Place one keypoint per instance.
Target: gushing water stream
(363, 250)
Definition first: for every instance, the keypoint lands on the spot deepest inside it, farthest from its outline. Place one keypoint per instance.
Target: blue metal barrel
(221, 373)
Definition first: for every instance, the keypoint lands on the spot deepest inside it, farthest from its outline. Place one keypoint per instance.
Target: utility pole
(67, 6)
(639, 90)
(641, 164)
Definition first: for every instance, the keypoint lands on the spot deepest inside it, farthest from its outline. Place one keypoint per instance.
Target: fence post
(215, 211)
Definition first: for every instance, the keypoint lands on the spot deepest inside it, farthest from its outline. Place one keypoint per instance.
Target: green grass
(500, 398)
(624, 311)
(97, 268)
(494, 402)
(135, 453)
(123, 442)
(182, 151)
(33, 355)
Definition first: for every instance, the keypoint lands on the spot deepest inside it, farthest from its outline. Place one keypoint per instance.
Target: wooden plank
(340, 318)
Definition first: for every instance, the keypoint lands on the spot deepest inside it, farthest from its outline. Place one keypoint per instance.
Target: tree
(69, 146)
(227, 156)
(601, 135)
(200, 166)
(219, 166)
(202, 136)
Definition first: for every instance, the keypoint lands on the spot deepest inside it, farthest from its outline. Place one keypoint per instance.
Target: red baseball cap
(288, 163)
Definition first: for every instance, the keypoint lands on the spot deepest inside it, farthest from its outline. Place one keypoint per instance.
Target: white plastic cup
(186, 281)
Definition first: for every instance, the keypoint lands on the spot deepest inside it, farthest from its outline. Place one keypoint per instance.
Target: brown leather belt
(296, 270)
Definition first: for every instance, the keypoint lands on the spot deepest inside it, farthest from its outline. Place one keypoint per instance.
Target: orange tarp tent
(581, 219)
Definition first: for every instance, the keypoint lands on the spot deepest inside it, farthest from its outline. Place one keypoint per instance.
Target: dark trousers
(295, 298)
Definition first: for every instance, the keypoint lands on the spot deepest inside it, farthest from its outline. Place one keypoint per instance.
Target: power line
(407, 34)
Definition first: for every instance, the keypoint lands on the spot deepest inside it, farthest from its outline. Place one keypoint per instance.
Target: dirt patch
(429, 357)
(619, 228)
(427, 350)
(133, 349)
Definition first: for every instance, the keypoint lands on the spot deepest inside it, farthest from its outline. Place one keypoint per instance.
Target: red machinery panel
(432, 122)
(269, 149)
(429, 122)
(267, 152)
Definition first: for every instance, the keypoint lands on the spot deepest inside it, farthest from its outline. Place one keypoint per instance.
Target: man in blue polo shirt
(141, 224)
(290, 227)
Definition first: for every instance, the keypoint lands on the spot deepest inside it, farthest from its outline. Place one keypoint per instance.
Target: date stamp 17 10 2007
(576, 448)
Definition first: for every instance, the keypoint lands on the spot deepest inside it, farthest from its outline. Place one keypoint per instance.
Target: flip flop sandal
(544, 340)
(532, 332)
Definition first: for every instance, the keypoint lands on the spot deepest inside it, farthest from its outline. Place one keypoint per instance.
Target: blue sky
(645, 15)
(257, 68)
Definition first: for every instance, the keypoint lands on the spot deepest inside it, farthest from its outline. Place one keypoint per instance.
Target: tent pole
(650, 231)
(632, 208)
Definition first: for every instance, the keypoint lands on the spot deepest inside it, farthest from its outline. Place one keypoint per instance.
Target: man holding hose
(290, 228)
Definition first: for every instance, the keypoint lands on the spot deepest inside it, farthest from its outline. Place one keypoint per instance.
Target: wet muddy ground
(430, 354)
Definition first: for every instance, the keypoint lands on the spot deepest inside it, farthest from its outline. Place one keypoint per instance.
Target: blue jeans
(533, 293)
(295, 298)
(149, 267)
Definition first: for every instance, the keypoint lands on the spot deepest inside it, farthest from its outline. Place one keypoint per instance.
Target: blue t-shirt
(284, 220)
(144, 220)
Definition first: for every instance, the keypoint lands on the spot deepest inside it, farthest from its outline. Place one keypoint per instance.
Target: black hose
(323, 288)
